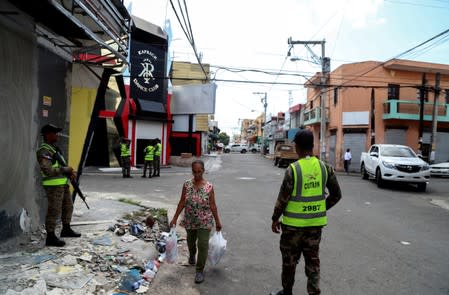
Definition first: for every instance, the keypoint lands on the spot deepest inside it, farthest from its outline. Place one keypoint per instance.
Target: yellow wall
(82, 103)
(202, 123)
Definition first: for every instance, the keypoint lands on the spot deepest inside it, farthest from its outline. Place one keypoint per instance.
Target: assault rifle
(58, 157)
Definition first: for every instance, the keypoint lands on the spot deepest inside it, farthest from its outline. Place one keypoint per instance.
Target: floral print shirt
(197, 212)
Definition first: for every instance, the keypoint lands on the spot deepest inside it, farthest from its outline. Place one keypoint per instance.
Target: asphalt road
(378, 241)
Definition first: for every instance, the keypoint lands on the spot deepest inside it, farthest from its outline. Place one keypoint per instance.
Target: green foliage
(224, 138)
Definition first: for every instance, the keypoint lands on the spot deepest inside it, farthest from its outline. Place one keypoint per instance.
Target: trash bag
(217, 247)
(171, 247)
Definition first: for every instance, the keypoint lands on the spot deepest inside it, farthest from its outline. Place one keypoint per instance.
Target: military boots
(52, 240)
(68, 232)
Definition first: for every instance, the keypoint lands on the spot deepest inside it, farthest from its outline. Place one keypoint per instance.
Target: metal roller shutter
(395, 136)
(355, 142)
(442, 147)
(332, 143)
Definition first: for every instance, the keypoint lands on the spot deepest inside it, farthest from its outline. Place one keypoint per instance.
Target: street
(378, 241)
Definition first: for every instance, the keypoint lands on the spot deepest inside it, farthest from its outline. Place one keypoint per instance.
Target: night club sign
(147, 71)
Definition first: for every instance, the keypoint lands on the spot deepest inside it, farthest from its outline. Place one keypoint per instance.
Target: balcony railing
(409, 110)
(313, 116)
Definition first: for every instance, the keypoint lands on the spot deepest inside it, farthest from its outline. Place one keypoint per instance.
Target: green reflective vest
(124, 150)
(149, 153)
(158, 150)
(53, 180)
(307, 205)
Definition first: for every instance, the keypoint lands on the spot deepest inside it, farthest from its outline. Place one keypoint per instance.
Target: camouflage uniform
(60, 204)
(305, 240)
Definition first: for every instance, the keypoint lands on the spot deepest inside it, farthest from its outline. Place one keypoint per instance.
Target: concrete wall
(18, 117)
(30, 71)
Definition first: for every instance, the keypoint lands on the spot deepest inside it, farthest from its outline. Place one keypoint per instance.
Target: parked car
(440, 169)
(285, 153)
(254, 147)
(394, 163)
(236, 147)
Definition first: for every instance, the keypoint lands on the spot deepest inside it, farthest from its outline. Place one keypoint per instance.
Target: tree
(224, 138)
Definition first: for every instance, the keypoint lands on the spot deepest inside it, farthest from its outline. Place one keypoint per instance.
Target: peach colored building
(374, 102)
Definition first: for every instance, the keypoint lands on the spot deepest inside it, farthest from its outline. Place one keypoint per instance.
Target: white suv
(236, 147)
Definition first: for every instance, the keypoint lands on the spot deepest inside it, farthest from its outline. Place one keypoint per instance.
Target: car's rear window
(397, 152)
(286, 148)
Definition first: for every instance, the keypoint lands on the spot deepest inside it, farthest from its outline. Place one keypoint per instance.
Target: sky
(236, 36)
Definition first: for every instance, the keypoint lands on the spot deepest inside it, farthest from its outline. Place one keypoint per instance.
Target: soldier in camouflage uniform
(300, 212)
(56, 185)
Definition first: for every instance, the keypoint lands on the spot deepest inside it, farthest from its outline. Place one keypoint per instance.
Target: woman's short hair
(200, 162)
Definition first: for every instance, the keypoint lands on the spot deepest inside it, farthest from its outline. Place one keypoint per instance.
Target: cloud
(360, 13)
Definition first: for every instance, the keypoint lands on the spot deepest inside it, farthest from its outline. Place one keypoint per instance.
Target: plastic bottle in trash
(149, 265)
(149, 275)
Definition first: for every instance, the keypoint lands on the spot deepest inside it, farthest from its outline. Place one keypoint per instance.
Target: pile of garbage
(102, 262)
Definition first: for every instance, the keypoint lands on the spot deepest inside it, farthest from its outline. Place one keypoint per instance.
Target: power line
(399, 55)
(188, 32)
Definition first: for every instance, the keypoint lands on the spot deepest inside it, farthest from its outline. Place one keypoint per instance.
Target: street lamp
(263, 100)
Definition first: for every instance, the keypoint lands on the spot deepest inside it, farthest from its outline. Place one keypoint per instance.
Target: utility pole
(325, 69)
(290, 102)
(265, 104)
(422, 94)
(435, 117)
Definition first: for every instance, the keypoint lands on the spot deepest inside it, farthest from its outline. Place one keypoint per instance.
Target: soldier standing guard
(56, 185)
(149, 157)
(302, 203)
(125, 155)
(157, 158)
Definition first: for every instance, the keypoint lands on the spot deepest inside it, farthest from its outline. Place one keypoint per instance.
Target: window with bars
(393, 91)
(335, 96)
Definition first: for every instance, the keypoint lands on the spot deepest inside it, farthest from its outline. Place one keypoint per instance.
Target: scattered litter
(405, 243)
(69, 260)
(40, 288)
(67, 277)
(86, 257)
(103, 241)
(98, 263)
(142, 289)
(128, 238)
(367, 203)
(348, 210)
(246, 178)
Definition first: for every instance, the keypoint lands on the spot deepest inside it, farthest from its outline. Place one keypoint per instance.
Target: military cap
(50, 128)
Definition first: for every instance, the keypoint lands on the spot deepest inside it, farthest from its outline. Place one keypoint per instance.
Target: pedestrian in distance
(55, 180)
(157, 157)
(149, 158)
(347, 160)
(300, 213)
(125, 155)
(200, 211)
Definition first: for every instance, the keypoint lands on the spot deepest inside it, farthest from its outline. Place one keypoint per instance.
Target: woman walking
(200, 211)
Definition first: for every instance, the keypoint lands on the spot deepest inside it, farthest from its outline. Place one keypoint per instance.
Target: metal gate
(356, 142)
(395, 136)
(332, 143)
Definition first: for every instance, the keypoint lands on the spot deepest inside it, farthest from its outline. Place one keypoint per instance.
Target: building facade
(373, 102)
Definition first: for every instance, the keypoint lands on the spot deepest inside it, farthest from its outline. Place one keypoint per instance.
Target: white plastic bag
(171, 247)
(217, 247)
